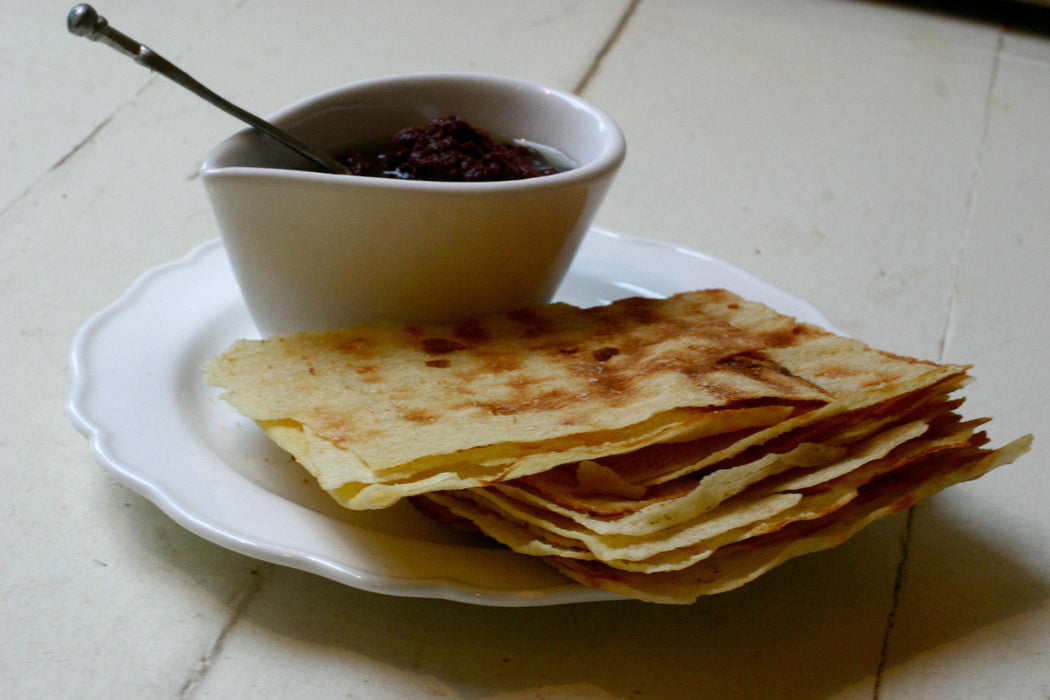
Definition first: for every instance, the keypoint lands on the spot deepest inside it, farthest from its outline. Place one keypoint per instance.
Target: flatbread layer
(609, 496)
(767, 507)
(385, 411)
(735, 565)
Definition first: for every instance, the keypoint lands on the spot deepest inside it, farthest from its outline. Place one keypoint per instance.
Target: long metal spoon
(84, 21)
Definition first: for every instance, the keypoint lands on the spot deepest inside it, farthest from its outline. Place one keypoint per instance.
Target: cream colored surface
(886, 164)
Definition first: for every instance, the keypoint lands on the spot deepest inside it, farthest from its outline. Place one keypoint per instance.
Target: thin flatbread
(735, 565)
(385, 411)
(769, 506)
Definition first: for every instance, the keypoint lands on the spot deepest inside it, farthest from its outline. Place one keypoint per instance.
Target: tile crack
(891, 618)
(613, 37)
(971, 201)
(239, 603)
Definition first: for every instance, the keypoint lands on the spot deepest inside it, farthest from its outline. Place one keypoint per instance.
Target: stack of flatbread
(658, 448)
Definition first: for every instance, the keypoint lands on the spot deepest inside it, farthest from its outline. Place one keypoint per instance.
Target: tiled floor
(888, 164)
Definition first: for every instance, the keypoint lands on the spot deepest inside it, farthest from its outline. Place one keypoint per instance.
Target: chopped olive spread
(448, 149)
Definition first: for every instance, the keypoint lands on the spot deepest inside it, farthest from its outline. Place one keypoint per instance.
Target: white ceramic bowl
(314, 250)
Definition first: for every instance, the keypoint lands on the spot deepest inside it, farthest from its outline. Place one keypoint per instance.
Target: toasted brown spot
(550, 400)
(369, 374)
(520, 383)
(419, 416)
(534, 323)
(361, 347)
(612, 384)
(605, 354)
(501, 363)
(441, 346)
(750, 366)
(472, 332)
(438, 364)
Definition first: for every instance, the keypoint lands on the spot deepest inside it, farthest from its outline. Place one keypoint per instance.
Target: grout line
(150, 80)
(80, 145)
(85, 141)
(945, 342)
(58, 164)
(891, 618)
(103, 124)
(239, 603)
(617, 31)
(971, 200)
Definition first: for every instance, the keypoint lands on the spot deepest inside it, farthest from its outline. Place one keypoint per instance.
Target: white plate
(153, 423)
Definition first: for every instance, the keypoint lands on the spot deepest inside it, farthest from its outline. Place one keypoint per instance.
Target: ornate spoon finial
(84, 21)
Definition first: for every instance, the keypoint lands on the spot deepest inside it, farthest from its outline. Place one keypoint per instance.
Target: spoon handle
(84, 21)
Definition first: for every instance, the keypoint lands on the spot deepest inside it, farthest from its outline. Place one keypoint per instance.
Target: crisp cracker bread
(661, 449)
(385, 411)
(769, 505)
(736, 565)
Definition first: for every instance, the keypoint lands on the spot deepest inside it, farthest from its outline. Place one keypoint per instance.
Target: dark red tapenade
(448, 149)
